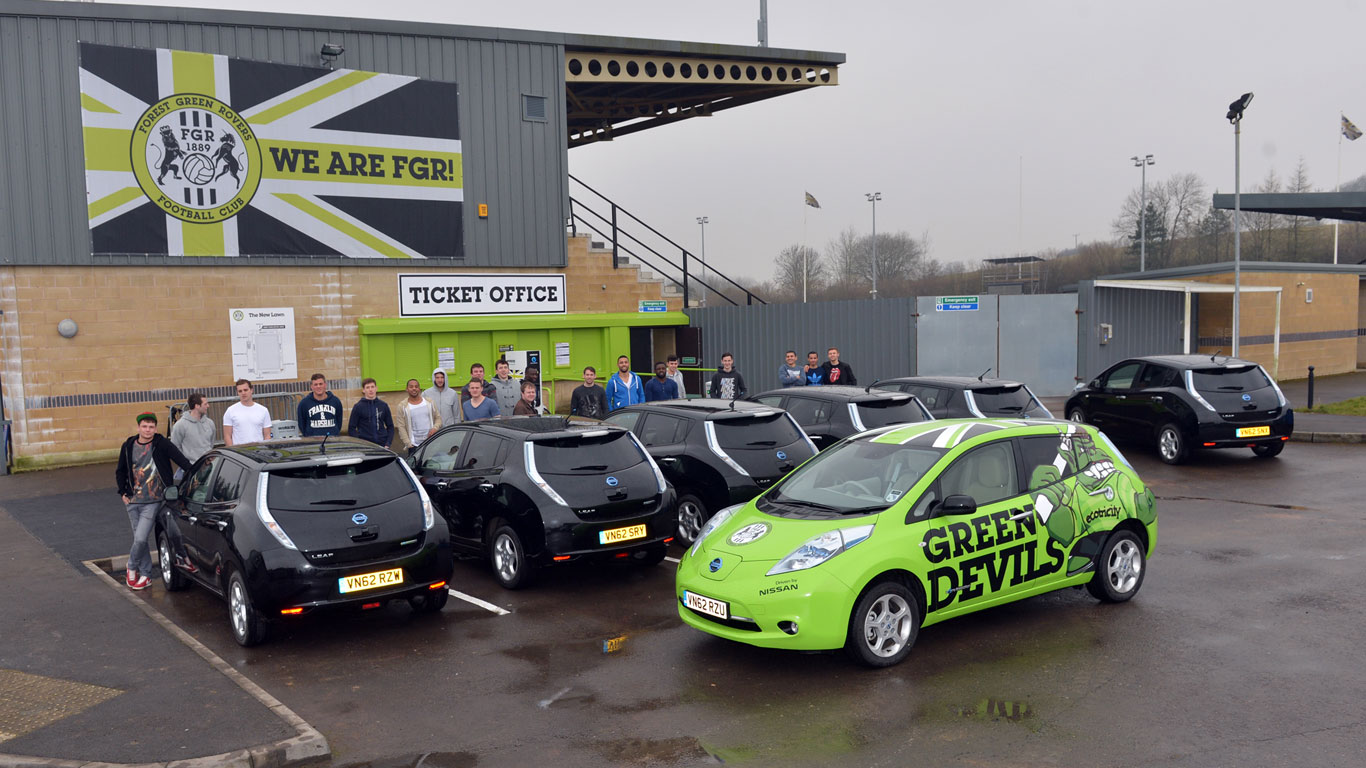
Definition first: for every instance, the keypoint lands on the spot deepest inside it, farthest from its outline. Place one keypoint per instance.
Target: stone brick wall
(145, 332)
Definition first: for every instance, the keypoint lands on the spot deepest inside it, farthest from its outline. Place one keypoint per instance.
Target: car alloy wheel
(883, 626)
(692, 515)
(507, 555)
(171, 577)
(1077, 415)
(506, 559)
(1120, 571)
(887, 625)
(1171, 444)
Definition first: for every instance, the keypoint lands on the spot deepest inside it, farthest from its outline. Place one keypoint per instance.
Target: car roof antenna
(732, 402)
(323, 448)
(983, 373)
(1216, 354)
(868, 389)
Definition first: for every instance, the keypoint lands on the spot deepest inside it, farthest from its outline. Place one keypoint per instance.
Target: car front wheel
(692, 515)
(1120, 569)
(1269, 450)
(248, 625)
(1171, 444)
(1077, 415)
(507, 555)
(171, 577)
(883, 626)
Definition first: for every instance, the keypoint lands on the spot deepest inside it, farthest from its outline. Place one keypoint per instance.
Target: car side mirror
(958, 504)
(172, 493)
(1095, 384)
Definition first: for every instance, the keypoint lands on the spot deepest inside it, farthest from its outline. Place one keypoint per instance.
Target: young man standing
(837, 372)
(789, 375)
(416, 419)
(533, 375)
(479, 407)
(727, 383)
(503, 388)
(588, 400)
(526, 404)
(446, 400)
(813, 372)
(245, 421)
(661, 387)
(319, 411)
(624, 388)
(143, 471)
(675, 375)
(193, 432)
(476, 374)
(370, 417)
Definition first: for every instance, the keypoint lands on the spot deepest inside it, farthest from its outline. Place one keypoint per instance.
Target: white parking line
(481, 603)
(672, 559)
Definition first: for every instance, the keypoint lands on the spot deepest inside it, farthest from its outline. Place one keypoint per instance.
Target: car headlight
(820, 548)
(716, 521)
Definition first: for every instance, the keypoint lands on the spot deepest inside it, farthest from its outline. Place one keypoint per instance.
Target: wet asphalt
(1242, 649)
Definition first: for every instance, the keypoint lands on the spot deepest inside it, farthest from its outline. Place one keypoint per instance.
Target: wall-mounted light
(330, 52)
(67, 328)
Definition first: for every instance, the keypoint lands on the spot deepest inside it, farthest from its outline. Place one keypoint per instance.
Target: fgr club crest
(196, 158)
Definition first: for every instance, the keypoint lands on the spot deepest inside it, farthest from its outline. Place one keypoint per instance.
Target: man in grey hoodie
(446, 400)
(506, 390)
(193, 432)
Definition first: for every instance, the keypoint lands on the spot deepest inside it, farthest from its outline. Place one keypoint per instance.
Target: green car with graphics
(907, 526)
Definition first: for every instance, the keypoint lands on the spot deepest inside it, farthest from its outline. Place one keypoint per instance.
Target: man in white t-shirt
(415, 419)
(245, 421)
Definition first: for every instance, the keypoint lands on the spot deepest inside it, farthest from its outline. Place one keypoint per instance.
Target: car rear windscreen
(327, 489)
(756, 433)
(1228, 379)
(1006, 401)
(587, 455)
(880, 413)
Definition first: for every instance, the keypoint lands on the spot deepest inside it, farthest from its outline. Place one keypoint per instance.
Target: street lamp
(1143, 163)
(1235, 116)
(702, 222)
(873, 197)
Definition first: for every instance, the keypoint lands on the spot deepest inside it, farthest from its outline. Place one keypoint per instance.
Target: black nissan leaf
(536, 491)
(284, 528)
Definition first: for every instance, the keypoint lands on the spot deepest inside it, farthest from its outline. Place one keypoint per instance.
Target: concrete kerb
(308, 746)
(1327, 437)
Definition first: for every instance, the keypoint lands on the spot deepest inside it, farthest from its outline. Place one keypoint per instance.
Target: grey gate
(955, 342)
(1038, 342)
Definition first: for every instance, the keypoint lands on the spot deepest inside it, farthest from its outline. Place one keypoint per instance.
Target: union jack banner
(196, 154)
(1350, 131)
(811, 200)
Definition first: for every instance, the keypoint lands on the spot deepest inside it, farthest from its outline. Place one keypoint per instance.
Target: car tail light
(529, 459)
(560, 558)
(715, 446)
(291, 611)
(438, 585)
(368, 606)
(1209, 445)
(263, 512)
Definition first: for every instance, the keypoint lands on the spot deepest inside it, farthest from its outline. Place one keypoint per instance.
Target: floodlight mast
(1235, 116)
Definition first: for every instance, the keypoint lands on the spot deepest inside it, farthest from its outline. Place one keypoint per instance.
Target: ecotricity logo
(750, 533)
(196, 158)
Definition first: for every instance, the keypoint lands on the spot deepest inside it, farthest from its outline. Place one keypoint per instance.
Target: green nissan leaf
(906, 526)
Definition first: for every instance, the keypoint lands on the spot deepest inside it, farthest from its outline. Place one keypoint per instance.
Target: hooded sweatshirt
(192, 435)
(446, 400)
(505, 392)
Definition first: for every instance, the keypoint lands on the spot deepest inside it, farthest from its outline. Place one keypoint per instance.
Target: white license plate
(1254, 432)
(370, 580)
(707, 605)
(615, 535)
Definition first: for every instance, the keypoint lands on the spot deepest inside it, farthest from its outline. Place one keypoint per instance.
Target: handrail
(750, 297)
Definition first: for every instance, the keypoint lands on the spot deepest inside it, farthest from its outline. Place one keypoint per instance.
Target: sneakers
(185, 565)
(141, 582)
(130, 576)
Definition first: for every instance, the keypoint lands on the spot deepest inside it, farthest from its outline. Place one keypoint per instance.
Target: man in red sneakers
(143, 471)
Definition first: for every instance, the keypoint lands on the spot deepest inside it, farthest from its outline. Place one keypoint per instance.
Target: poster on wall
(263, 344)
(439, 295)
(195, 154)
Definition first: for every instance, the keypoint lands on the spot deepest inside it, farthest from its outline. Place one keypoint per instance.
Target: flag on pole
(1350, 131)
(811, 201)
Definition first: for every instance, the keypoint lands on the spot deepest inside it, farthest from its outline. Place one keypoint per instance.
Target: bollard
(1311, 388)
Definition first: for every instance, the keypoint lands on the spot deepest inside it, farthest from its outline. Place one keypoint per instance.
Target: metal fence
(283, 407)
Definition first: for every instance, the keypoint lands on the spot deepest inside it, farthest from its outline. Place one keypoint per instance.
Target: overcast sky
(992, 126)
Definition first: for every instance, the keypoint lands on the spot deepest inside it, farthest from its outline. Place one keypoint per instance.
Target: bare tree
(788, 270)
(1262, 225)
(1298, 184)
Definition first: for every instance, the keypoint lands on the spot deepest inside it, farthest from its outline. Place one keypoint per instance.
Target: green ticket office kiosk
(393, 350)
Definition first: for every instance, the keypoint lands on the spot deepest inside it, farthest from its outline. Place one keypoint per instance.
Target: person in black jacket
(837, 372)
(143, 472)
(590, 399)
(370, 417)
(727, 383)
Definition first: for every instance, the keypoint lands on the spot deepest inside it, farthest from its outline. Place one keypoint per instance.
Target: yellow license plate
(370, 580)
(1254, 432)
(615, 535)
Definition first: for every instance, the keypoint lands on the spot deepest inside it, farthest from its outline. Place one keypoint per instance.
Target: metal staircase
(633, 242)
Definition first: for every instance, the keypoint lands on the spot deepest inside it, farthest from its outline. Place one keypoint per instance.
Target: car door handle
(1023, 514)
(1120, 397)
(486, 487)
(1158, 398)
(222, 525)
(192, 519)
(442, 485)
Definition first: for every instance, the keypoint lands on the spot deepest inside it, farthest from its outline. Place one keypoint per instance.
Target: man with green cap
(143, 472)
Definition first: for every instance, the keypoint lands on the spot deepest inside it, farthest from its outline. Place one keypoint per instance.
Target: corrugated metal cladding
(518, 167)
(876, 338)
(1143, 322)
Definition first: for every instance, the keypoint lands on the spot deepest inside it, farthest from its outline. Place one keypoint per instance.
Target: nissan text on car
(904, 527)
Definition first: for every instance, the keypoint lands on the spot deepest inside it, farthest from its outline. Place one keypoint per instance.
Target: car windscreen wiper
(807, 504)
(1231, 388)
(338, 502)
(762, 442)
(595, 467)
(1010, 408)
(863, 510)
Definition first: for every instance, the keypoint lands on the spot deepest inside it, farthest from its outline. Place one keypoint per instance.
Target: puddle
(992, 710)
(654, 751)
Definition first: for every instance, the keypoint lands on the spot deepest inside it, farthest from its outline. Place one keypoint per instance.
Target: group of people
(832, 371)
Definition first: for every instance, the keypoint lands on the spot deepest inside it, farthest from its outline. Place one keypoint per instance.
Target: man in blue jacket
(319, 411)
(370, 417)
(624, 388)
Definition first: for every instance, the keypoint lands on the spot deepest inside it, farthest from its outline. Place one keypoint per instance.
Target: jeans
(142, 517)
